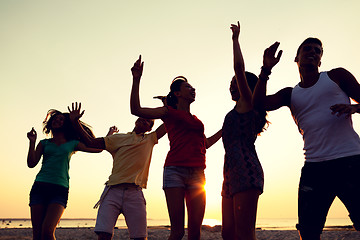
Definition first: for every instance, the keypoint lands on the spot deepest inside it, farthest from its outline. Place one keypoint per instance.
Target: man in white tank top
(320, 105)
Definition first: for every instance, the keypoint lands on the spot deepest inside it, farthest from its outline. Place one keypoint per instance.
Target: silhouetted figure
(320, 105)
(131, 154)
(49, 193)
(243, 174)
(185, 162)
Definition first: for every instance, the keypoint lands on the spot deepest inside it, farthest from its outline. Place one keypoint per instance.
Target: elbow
(134, 110)
(207, 144)
(31, 165)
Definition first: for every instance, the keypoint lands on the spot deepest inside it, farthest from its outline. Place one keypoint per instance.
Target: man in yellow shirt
(131, 154)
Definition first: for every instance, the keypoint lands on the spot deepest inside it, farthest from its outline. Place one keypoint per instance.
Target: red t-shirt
(187, 139)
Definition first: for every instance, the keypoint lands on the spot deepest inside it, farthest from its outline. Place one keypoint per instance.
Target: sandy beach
(155, 233)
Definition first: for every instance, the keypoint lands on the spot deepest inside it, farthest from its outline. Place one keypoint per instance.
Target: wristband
(264, 74)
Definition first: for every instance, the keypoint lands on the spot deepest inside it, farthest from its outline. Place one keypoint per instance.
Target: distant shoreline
(262, 224)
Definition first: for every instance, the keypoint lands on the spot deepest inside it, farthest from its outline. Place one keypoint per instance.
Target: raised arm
(282, 97)
(90, 142)
(213, 139)
(239, 68)
(135, 107)
(160, 131)
(351, 87)
(34, 155)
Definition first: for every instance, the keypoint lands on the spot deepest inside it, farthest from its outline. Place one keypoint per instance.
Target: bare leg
(176, 209)
(245, 209)
(53, 214)
(228, 219)
(37, 218)
(195, 203)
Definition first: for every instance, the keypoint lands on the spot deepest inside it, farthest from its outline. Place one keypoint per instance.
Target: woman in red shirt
(185, 162)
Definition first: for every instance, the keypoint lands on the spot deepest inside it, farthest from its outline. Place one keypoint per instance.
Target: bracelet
(264, 74)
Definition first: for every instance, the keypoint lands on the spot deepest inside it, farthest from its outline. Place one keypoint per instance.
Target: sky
(53, 53)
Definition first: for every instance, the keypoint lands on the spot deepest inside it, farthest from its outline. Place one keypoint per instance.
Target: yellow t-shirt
(131, 157)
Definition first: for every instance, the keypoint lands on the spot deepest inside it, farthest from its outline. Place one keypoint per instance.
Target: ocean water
(263, 223)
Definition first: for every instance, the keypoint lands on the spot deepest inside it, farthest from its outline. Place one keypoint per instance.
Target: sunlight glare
(211, 222)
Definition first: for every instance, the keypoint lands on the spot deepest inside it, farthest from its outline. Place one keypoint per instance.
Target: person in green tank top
(49, 193)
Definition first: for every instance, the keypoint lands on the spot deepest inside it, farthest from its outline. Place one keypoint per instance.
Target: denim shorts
(48, 193)
(183, 177)
(320, 183)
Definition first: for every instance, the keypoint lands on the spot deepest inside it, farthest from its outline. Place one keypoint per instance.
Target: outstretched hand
(269, 59)
(235, 30)
(137, 69)
(32, 135)
(75, 112)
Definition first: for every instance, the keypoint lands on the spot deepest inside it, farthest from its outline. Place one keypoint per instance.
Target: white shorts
(128, 200)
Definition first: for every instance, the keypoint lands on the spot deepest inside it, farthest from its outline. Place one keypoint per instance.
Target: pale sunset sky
(53, 53)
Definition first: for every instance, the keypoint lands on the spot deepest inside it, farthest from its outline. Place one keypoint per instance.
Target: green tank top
(55, 163)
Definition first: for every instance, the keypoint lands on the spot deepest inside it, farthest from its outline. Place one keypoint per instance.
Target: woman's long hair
(171, 99)
(67, 128)
(263, 122)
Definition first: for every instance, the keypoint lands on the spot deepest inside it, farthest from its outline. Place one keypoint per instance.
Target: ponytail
(171, 99)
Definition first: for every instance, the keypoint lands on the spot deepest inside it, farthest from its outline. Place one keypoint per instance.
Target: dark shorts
(47, 193)
(320, 183)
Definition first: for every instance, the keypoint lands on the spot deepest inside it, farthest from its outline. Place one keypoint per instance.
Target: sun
(211, 222)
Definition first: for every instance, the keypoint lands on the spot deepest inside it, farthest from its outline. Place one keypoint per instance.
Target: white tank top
(326, 136)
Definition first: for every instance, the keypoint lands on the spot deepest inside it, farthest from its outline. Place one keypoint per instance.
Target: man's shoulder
(338, 74)
(285, 93)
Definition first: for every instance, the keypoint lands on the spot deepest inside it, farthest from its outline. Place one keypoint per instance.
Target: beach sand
(159, 233)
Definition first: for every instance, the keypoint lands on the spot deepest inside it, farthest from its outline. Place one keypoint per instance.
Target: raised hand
(32, 135)
(235, 30)
(112, 130)
(75, 112)
(269, 60)
(137, 69)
